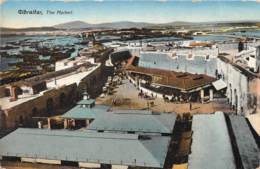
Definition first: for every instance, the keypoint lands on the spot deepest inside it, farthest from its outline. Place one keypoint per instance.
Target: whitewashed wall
(236, 81)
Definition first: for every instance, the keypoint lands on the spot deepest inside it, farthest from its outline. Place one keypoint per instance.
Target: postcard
(165, 84)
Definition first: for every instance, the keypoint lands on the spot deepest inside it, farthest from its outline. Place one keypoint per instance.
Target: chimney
(240, 46)
(14, 95)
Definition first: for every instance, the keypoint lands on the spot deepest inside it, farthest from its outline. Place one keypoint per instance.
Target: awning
(219, 84)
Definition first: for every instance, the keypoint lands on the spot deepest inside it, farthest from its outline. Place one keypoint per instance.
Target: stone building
(52, 96)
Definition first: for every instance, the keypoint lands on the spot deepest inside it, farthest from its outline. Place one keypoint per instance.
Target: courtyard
(126, 97)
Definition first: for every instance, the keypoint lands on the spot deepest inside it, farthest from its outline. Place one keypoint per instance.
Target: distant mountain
(125, 24)
(128, 24)
(4, 29)
(73, 25)
(112, 25)
(177, 23)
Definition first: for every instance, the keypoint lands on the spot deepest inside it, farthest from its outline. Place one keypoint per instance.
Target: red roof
(178, 80)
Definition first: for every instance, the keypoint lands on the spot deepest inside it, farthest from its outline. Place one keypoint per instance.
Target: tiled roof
(178, 80)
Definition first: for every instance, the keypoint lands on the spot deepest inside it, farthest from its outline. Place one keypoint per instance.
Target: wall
(38, 105)
(254, 96)
(2, 91)
(181, 63)
(258, 59)
(237, 86)
(61, 97)
(2, 119)
(93, 82)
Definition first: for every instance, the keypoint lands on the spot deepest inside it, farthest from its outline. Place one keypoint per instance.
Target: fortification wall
(51, 101)
(47, 104)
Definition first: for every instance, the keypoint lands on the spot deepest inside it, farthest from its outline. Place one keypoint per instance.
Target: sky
(100, 11)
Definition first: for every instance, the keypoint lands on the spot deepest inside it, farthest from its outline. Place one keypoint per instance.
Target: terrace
(126, 97)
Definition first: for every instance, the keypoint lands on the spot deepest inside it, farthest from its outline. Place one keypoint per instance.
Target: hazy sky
(140, 11)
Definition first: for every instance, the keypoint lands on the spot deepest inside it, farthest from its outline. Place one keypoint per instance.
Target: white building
(250, 58)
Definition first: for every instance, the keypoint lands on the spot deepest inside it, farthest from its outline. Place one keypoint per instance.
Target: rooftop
(51, 83)
(47, 76)
(79, 112)
(232, 146)
(178, 80)
(79, 146)
(135, 121)
(73, 78)
(5, 102)
(246, 144)
(211, 146)
(86, 102)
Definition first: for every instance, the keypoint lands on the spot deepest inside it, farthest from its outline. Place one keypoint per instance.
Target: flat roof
(135, 121)
(246, 144)
(79, 112)
(76, 77)
(86, 101)
(61, 81)
(90, 147)
(5, 102)
(51, 75)
(211, 146)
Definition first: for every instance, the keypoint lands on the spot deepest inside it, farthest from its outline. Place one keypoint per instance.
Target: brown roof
(178, 80)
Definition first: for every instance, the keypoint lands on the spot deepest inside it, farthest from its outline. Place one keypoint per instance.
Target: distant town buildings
(46, 94)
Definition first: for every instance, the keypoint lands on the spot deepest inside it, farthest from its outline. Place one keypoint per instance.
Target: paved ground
(127, 94)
